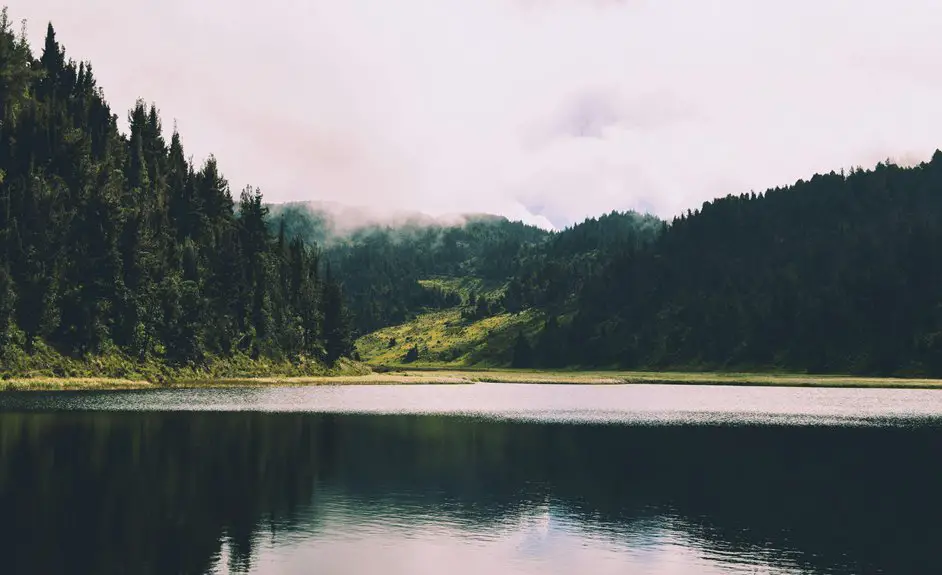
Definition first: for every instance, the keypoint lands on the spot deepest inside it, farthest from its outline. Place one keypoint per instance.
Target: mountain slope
(117, 246)
(444, 338)
(382, 262)
(841, 273)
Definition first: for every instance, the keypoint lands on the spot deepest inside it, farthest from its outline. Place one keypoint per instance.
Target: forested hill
(841, 273)
(117, 244)
(382, 265)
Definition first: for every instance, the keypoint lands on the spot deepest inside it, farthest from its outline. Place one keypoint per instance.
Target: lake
(468, 479)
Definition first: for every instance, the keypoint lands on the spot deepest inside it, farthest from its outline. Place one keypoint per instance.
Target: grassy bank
(105, 383)
(451, 376)
(687, 378)
(45, 368)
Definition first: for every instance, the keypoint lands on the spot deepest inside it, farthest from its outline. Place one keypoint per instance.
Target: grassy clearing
(444, 339)
(464, 286)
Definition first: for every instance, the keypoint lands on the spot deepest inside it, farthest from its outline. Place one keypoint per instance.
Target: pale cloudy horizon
(547, 111)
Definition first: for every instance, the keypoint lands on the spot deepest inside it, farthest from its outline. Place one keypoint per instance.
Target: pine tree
(8, 332)
(522, 352)
(337, 341)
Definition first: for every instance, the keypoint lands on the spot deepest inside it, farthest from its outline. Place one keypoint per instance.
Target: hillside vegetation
(443, 338)
(837, 274)
(119, 256)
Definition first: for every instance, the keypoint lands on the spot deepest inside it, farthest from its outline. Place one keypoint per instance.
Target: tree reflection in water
(161, 492)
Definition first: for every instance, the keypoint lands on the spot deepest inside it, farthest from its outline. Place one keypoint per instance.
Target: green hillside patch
(442, 338)
(464, 286)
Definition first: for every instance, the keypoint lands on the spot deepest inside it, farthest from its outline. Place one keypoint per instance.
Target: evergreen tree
(522, 352)
(8, 331)
(337, 340)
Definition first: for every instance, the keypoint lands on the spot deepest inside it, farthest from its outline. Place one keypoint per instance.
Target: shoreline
(442, 376)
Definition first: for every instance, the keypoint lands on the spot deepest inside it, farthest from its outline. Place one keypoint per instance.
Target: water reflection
(288, 493)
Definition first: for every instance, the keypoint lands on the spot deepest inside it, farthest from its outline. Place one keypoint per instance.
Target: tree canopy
(112, 241)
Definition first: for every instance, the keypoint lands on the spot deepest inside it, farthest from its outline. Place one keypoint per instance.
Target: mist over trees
(380, 265)
(118, 242)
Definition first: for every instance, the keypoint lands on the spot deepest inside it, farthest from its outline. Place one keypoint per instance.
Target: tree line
(840, 274)
(113, 242)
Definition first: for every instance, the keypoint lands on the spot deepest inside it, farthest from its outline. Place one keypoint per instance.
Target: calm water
(488, 478)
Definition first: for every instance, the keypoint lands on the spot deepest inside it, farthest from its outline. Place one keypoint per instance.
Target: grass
(45, 368)
(425, 376)
(681, 378)
(445, 340)
(72, 383)
(464, 286)
(106, 383)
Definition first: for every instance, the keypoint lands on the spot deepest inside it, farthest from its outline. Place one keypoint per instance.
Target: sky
(547, 111)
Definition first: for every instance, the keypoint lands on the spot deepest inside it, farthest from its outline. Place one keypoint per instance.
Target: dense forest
(381, 264)
(115, 243)
(840, 273)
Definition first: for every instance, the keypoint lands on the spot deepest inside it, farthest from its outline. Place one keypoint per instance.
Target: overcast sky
(542, 110)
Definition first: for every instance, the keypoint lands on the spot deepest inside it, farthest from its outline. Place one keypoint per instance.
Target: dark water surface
(487, 478)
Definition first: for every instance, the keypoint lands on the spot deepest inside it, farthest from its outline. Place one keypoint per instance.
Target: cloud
(596, 112)
(546, 110)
